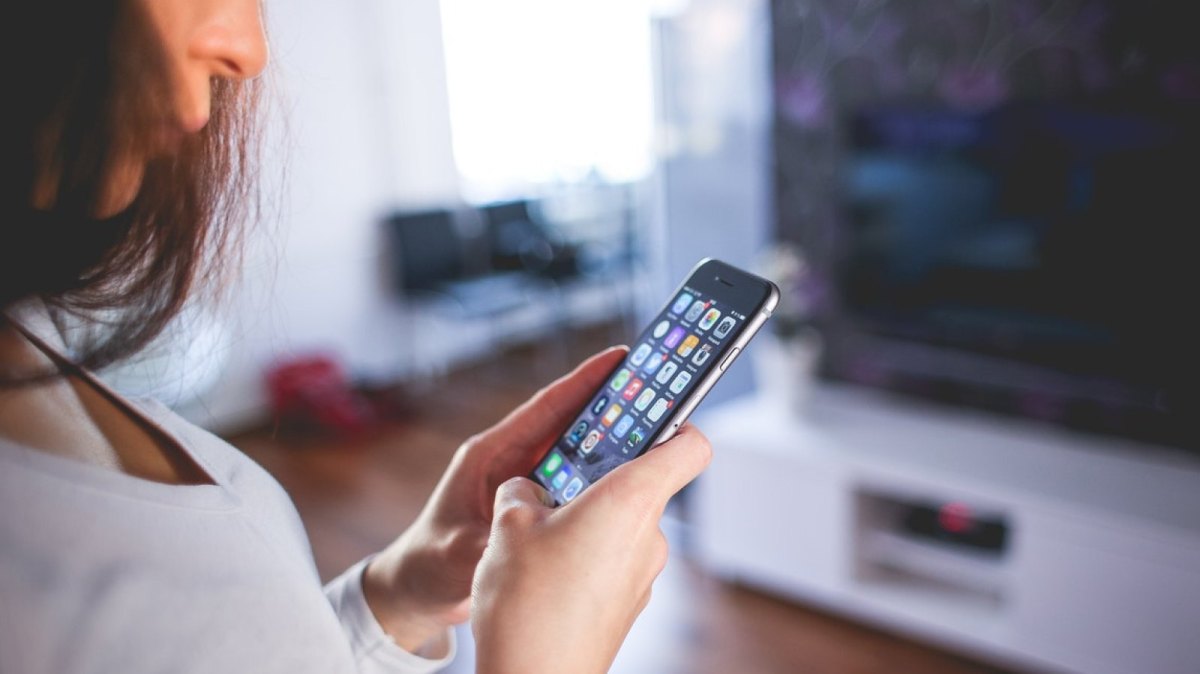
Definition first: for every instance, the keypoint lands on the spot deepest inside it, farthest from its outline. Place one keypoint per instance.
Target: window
(548, 91)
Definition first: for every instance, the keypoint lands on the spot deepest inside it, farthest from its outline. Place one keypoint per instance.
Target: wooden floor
(355, 496)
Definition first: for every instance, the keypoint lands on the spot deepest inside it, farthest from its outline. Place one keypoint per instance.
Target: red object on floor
(314, 390)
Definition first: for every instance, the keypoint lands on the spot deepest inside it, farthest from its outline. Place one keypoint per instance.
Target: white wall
(361, 88)
(714, 176)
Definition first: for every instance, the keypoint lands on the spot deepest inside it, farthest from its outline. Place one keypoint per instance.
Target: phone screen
(677, 354)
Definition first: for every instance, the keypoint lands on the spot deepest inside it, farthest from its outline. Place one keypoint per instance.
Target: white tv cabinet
(1102, 570)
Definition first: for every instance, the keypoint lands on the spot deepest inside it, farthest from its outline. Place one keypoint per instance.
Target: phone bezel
(752, 296)
(718, 280)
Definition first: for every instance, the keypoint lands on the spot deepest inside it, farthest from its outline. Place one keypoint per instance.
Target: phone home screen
(671, 357)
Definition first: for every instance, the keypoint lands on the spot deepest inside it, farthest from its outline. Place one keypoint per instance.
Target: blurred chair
(519, 241)
(429, 249)
(503, 272)
(598, 220)
(434, 264)
(441, 265)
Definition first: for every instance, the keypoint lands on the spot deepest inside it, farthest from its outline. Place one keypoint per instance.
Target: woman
(133, 542)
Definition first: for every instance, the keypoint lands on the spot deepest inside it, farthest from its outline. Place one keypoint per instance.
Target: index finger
(532, 427)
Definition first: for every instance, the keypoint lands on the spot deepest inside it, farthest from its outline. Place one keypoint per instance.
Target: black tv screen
(1056, 235)
(1019, 238)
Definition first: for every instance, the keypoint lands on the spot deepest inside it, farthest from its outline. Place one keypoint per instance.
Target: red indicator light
(955, 517)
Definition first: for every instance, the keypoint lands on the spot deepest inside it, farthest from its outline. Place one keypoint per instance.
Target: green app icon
(620, 380)
(552, 463)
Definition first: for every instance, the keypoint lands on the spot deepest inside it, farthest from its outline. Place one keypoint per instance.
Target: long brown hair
(96, 96)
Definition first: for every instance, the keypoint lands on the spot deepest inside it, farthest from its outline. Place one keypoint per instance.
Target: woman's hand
(578, 576)
(421, 583)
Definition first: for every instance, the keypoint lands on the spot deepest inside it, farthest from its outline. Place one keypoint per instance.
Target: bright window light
(548, 91)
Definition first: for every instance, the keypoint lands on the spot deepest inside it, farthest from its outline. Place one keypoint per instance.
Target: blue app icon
(653, 363)
(577, 433)
(560, 478)
(682, 303)
(622, 426)
(640, 355)
(572, 489)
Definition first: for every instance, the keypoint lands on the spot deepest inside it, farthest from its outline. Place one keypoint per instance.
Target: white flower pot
(785, 369)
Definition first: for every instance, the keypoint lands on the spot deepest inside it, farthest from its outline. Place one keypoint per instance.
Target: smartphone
(674, 363)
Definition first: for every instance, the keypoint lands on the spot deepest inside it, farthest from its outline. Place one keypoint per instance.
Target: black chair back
(427, 247)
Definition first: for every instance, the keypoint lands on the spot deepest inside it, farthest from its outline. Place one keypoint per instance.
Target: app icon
(551, 464)
(653, 363)
(622, 427)
(697, 309)
(709, 318)
(661, 328)
(636, 437)
(577, 433)
(687, 346)
(644, 400)
(572, 490)
(723, 329)
(620, 380)
(674, 338)
(664, 375)
(680, 381)
(589, 443)
(560, 478)
(639, 356)
(702, 354)
(599, 406)
(611, 415)
(682, 303)
(659, 408)
(632, 389)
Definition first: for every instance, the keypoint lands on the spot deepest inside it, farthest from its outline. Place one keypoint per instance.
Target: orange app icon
(611, 415)
(688, 344)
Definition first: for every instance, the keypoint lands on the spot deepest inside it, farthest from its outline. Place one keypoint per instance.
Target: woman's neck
(71, 416)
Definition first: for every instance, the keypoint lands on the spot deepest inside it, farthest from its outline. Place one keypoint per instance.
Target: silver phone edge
(736, 349)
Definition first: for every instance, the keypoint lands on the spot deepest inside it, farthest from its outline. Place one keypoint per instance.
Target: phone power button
(729, 359)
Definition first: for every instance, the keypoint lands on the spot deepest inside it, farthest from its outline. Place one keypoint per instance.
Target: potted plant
(787, 353)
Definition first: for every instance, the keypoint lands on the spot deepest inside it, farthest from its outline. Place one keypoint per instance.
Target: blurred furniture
(519, 242)
(439, 264)
(606, 225)
(474, 278)
(865, 506)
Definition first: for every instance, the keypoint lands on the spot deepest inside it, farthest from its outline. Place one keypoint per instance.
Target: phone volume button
(729, 359)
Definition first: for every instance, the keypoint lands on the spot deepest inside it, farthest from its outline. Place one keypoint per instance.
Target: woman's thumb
(520, 499)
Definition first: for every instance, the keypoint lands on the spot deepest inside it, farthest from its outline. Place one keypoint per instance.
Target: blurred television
(1016, 187)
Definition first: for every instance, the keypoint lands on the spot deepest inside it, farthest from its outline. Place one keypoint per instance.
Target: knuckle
(511, 511)
(698, 447)
(700, 441)
(645, 600)
(512, 516)
(706, 450)
(543, 401)
(660, 552)
(469, 445)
